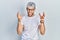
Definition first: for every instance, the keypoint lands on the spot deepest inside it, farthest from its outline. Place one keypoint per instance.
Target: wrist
(42, 21)
(19, 20)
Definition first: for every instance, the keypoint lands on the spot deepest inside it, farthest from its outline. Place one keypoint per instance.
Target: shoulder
(24, 17)
(37, 16)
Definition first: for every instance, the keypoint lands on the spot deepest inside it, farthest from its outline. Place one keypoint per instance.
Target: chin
(30, 15)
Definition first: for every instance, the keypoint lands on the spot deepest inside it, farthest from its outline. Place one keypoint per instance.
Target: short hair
(31, 4)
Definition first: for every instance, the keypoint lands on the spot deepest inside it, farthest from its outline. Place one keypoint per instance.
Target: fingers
(41, 17)
(43, 14)
(39, 14)
(17, 14)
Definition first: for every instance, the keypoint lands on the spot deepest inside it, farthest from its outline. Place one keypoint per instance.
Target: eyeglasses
(30, 9)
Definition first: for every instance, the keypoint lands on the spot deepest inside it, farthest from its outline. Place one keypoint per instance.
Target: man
(29, 25)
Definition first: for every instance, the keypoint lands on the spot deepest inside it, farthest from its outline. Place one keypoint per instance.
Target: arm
(42, 25)
(19, 28)
(19, 25)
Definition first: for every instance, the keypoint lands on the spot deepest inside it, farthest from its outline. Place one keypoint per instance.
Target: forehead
(30, 7)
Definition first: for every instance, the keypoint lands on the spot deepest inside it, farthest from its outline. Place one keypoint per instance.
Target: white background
(8, 19)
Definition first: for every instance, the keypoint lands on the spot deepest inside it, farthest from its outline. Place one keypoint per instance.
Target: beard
(30, 14)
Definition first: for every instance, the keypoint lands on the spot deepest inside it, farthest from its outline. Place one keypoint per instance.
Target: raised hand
(42, 25)
(19, 16)
(42, 16)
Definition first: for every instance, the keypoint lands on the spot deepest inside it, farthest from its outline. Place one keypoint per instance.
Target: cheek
(32, 11)
(28, 11)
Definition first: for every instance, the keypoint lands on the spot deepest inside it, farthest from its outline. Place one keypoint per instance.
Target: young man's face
(30, 11)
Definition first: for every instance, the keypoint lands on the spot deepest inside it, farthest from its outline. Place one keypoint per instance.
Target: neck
(31, 15)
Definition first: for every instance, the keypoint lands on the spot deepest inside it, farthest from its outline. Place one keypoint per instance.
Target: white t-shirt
(30, 27)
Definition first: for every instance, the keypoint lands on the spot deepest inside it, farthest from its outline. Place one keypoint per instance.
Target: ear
(26, 8)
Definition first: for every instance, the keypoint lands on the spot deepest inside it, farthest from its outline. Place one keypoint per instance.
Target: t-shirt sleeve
(22, 21)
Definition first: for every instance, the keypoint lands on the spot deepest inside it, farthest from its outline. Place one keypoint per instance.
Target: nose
(29, 10)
